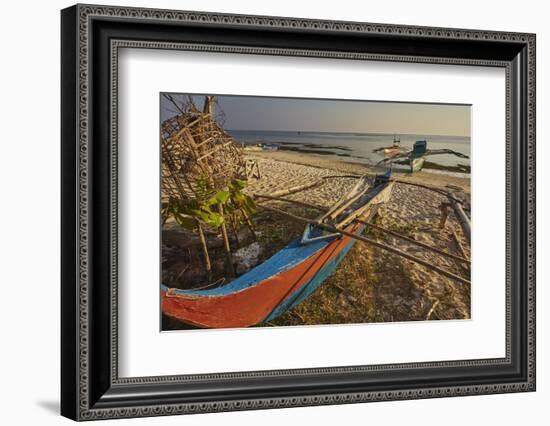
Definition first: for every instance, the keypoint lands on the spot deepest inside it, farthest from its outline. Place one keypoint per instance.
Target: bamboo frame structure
(199, 159)
(188, 144)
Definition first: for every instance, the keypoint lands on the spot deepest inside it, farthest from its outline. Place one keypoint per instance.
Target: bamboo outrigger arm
(437, 189)
(371, 242)
(310, 185)
(395, 234)
(418, 243)
(298, 188)
(288, 200)
(463, 219)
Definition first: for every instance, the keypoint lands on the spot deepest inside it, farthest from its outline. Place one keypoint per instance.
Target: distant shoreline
(434, 177)
(423, 135)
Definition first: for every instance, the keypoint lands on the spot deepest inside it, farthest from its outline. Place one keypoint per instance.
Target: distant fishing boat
(393, 150)
(270, 146)
(255, 147)
(416, 157)
(261, 147)
(288, 277)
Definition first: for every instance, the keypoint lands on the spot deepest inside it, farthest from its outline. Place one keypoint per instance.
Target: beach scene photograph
(282, 211)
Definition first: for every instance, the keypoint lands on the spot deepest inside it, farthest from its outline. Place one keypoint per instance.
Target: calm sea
(356, 147)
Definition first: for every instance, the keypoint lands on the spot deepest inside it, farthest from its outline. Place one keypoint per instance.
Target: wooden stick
(344, 203)
(249, 224)
(297, 188)
(418, 243)
(345, 176)
(210, 139)
(227, 247)
(381, 198)
(171, 99)
(205, 252)
(459, 244)
(174, 138)
(214, 150)
(302, 203)
(444, 207)
(234, 228)
(432, 309)
(431, 188)
(371, 242)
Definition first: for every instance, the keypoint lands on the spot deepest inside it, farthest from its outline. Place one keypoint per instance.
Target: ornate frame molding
(78, 24)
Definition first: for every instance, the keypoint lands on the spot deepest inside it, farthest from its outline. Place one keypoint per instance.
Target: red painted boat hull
(252, 305)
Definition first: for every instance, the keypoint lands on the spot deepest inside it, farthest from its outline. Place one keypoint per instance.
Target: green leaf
(214, 220)
(239, 184)
(249, 204)
(221, 197)
(185, 221)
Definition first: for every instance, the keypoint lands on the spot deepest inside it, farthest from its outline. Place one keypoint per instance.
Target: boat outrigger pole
(371, 242)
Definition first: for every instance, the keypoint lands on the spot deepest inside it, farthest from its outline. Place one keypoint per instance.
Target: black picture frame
(90, 386)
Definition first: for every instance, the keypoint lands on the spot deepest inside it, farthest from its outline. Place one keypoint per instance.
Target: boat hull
(416, 164)
(264, 298)
(260, 302)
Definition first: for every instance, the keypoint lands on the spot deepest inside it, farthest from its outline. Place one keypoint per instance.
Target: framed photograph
(263, 212)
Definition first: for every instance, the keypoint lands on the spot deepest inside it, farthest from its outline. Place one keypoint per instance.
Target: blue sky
(318, 115)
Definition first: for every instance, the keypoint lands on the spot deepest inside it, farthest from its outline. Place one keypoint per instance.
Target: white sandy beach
(405, 290)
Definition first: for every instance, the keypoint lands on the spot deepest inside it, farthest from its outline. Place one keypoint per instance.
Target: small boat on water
(416, 157)
(261, 147)
(255, 147)
(393, 150)
(288, 277)
(270, 146)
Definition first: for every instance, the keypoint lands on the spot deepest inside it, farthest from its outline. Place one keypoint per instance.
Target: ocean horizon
(358, 147)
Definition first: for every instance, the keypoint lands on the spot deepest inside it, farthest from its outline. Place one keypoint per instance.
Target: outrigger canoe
(416, 157)
(288, 277)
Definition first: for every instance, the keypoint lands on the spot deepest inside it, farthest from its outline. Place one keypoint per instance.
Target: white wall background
(29, 211)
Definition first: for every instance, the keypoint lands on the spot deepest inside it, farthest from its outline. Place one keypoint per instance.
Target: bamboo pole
(432, 309)
(459, 244)
(373, 243)
(208, 104)
(174, 138)
(171, 99)
(382, 197)
(249, 224)
(234, 228)
(227, 247)
(418, 243)
(431, 188)
(297, 188)
(462, 219)
(345, 176)
(301, 203)
(444, 207)
(214, 150)
(346, 202)
(207, 263)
